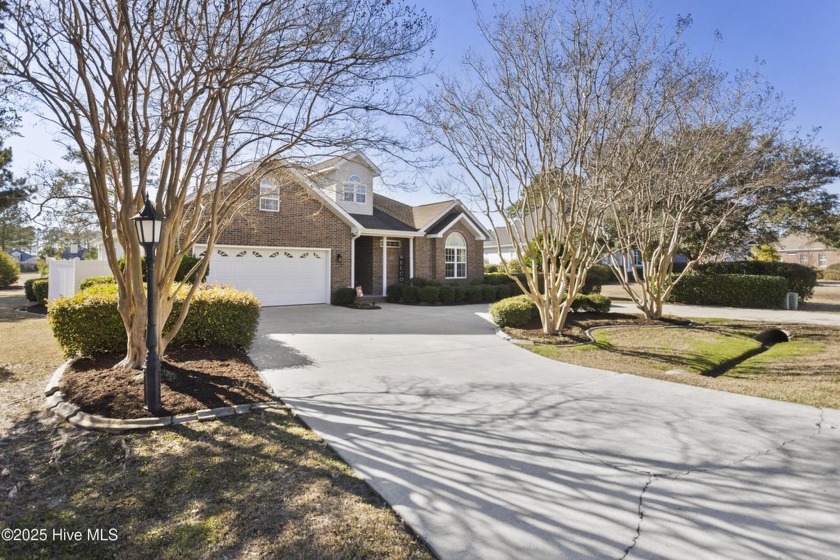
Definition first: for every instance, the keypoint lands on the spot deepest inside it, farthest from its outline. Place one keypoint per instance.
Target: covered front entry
(276, 275)
(382, 261)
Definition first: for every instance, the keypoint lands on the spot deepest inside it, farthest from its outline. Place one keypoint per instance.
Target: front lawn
(257, 485)
(803, 370)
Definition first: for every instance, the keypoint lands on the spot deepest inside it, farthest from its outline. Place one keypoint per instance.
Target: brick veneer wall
(430, 256)
(831, 257)
(303, 221)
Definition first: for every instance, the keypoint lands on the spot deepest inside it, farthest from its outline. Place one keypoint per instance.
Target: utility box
(792, 300)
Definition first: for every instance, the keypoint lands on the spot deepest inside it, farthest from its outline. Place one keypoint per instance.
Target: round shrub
(41, 290)
(418, 282)
(459, 293)
(88, 323)
(409, 294)
(9, 270)
(27, 289)
(474, 294)
(96, 280)
(428, 294)
(732, 290)
(800, 278)
(447, 295)
(344, 296)
(513, 312)
(394, 293)
(488, 293)
(831, 272)
(596, 277)
(503, 291)
(592, 303)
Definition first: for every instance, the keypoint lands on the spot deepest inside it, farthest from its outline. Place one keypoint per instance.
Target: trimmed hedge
(88, 323)
(591, 303)
(831, 272)
(428, 294)
(731, 290)
(409, 294)
(27, 289)
(344, 296)
(394, 293)
(418, 282)
(9, 269)
(513, 311)
(800, 278)
(447, 295)
(596, 277)
(96, 280)
(41, 290)
(474, 294)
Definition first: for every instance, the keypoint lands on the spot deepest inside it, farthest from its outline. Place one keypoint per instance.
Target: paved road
(768, 315)
(489, 451)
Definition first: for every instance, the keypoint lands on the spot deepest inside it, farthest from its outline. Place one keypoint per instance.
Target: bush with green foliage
(800, 278)
(95, 281)
(491, 268)
(831, 273)
(9, 269)
(591, 303)
(394, 293)
(186, 265)
(41, 290)
(88, 323)
(596, 277)
(409, 294)
(447, 295)
(344, 296)
(503, 291)
(488, 293)
(28, 291)
(418, 282)
(459, 293)
(428, 294)
(513, 311)
(731, 290)
(474, 294)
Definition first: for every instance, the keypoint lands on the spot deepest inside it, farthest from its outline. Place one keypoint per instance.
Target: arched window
(455, 256)
(269, 194)
(354, 190)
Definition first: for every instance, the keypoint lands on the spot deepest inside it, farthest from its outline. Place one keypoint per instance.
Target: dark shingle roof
(381, 220)
(443, 222)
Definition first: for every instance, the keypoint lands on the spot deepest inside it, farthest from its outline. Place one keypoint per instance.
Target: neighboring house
(23, 257)
(802, 250)
(297, 240)
(494, 251)
(74, 251)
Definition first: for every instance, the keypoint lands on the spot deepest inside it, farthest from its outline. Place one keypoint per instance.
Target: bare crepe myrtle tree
(539, 129)
(167, 96)
(711, 156)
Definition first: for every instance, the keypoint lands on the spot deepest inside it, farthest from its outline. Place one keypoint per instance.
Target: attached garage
(276, 275)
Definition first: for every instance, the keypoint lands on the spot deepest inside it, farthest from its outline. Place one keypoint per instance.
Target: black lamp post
(148, 223)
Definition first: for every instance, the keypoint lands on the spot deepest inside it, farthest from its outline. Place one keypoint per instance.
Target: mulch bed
(578, 323)
(36, 308)
(192, 378)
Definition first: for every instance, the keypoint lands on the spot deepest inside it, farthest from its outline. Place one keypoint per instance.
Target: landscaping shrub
(596, 277)
(503, 291)
(428, 294)
(800, 278)
(591, 303)
(96, 280)
(186, 264)
(831, 273)
(409, 294)
(9, 270)
(474, 294)
(496, 278)
(732, 290)
(418, 282)
(490, 268)
(447, 295)
(459, 293)
(88, 323)
(344, 296)
(27, 289)
(513, 311)
(488, 293)
(41, 290)
(394, 293)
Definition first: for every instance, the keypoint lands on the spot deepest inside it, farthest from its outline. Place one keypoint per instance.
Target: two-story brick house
(296, 241)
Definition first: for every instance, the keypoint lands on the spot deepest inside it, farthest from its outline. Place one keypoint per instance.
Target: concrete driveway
(489, 451)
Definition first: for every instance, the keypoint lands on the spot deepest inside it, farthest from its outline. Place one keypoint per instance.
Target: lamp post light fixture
(148, 224)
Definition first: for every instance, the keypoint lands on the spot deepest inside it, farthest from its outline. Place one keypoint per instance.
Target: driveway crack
(641, 513)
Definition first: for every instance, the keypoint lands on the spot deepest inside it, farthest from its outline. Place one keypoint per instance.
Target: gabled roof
(338, 161)
(458, 215)
(383, 221)
(427, 214)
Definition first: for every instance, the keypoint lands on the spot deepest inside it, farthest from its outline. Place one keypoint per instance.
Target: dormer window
(269, 195)
(354, 190)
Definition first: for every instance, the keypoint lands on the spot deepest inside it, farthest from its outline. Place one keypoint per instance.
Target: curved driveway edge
(490, 451)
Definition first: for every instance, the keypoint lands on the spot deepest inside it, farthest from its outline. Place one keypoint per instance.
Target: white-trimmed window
(803, 259)
(354, 190)
(823, 260)
(392, 243)
(455, 256)
(269, 195)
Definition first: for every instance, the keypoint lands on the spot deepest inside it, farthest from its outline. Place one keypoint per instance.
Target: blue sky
(798, 41)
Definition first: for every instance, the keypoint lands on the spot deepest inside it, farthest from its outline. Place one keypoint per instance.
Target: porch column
(384, 266)
(410, 258)
(353, 262)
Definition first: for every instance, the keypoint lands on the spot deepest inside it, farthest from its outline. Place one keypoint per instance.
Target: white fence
(65, 276)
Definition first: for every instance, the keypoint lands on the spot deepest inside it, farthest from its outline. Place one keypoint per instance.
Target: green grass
(778, 353)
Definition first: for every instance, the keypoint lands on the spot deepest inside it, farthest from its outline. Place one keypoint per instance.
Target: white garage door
(277, 275)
